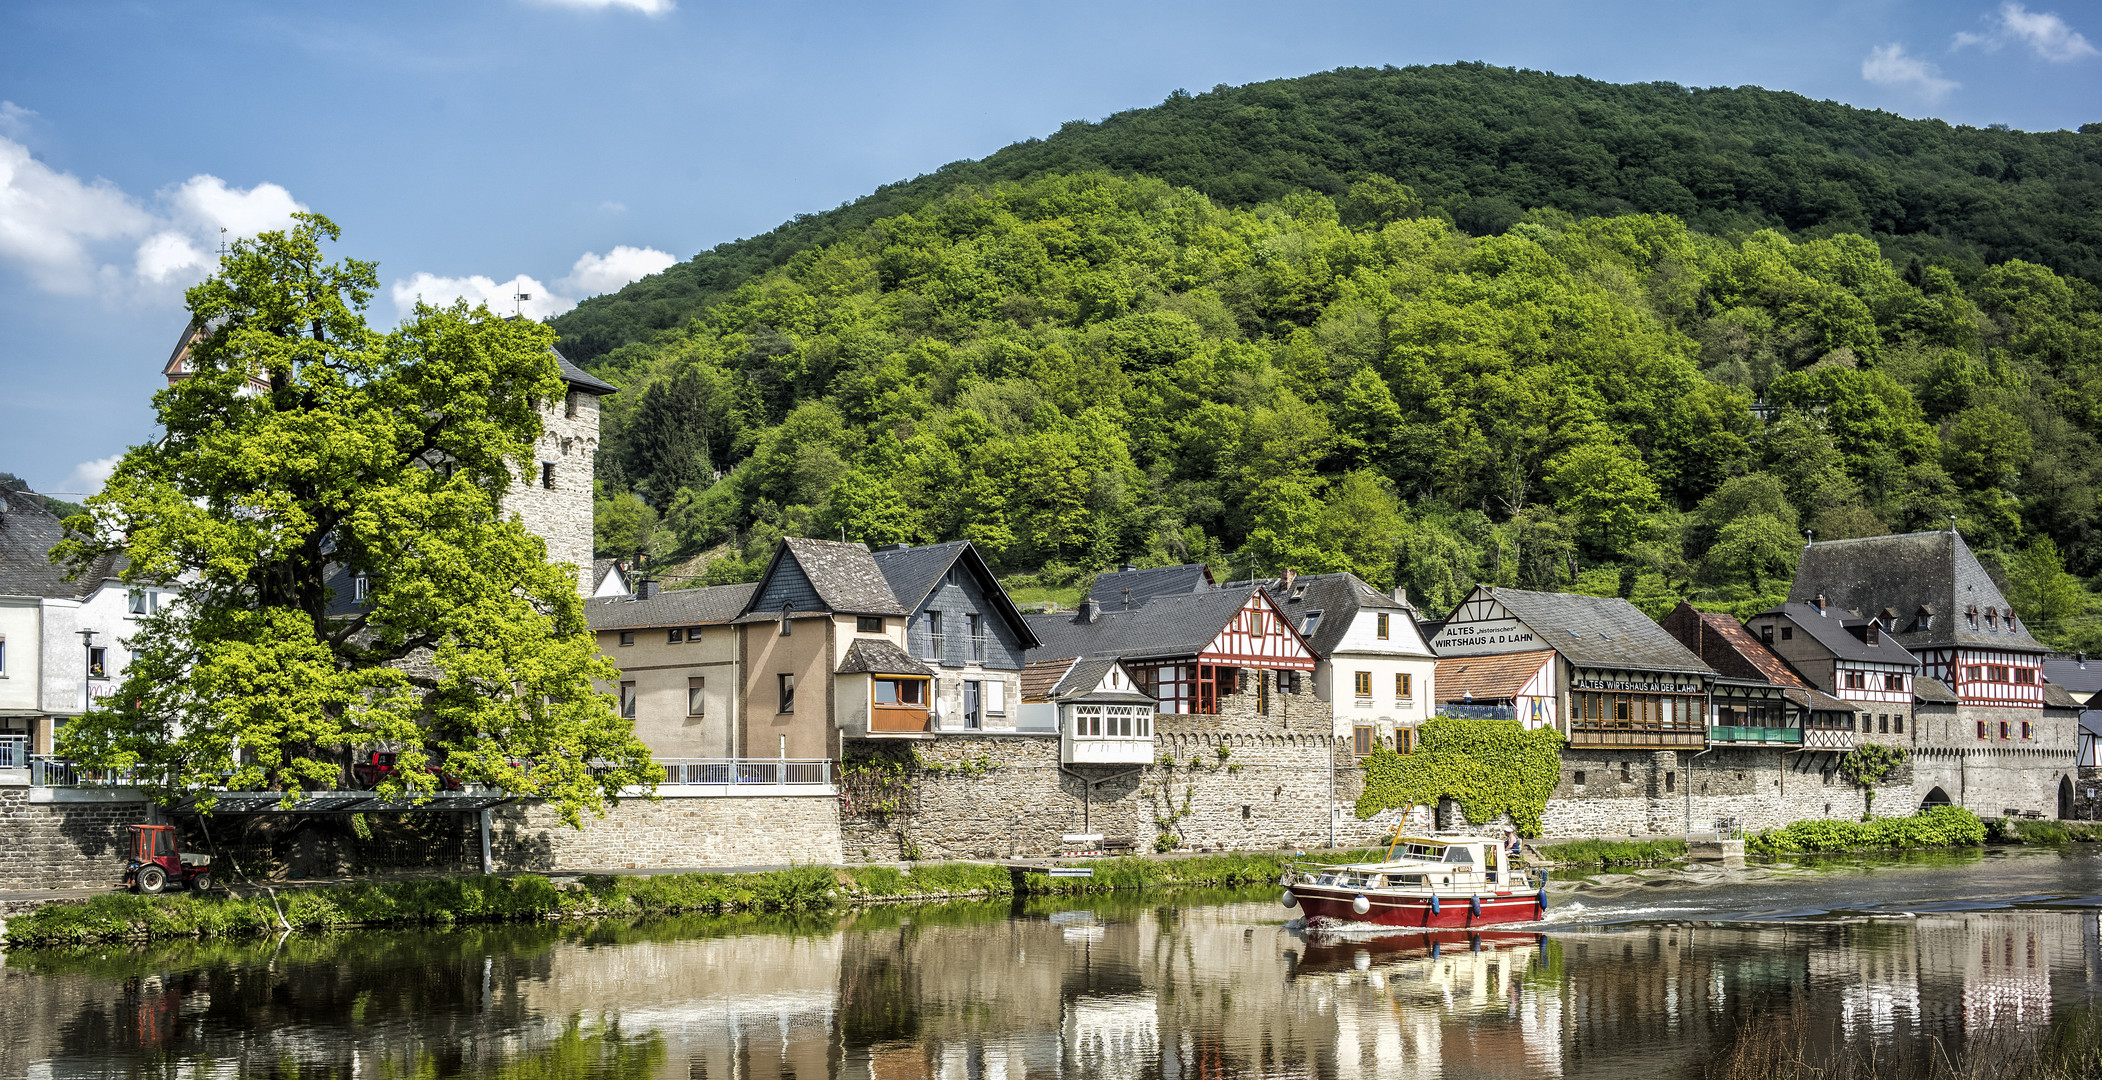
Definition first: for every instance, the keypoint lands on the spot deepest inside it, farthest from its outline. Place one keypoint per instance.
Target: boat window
(1424, 851)
(1459, 855)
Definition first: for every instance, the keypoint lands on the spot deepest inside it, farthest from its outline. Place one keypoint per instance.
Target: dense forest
(1079, 369)
(1482, 145)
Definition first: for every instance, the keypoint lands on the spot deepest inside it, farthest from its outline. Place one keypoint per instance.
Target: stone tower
(554, 497)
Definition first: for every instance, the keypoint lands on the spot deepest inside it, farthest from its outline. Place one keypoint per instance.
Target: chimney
(891, 547)
(1401, 595)
(1090, 610)
(645, 588)
(1284, 584)
(1820, 603)
(1126, 568)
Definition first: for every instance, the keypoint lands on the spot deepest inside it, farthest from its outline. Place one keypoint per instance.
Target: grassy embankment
(124, 916)
(1940, 827)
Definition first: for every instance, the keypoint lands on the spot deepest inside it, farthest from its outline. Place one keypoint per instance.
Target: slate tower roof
(1929, 582)
(28, 532)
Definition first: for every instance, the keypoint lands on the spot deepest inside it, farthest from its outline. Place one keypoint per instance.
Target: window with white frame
(136, 602)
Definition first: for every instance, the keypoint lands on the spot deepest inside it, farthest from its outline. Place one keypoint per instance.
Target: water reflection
(1169, 987)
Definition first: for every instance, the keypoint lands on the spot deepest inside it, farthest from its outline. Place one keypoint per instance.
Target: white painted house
(1376, 671)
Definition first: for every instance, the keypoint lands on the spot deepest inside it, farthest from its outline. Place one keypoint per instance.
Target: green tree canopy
(381, 456)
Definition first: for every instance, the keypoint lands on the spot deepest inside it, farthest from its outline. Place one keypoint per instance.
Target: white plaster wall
(21, 619)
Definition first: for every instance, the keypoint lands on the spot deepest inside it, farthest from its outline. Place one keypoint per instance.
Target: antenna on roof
(519, 297)
(222, 243)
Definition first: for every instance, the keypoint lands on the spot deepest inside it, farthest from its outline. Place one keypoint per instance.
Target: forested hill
(1481, 145)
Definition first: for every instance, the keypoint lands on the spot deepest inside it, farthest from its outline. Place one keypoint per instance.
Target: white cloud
(1888, 65)
(594, 274)
(14, 120)
(2044, 32)
(647, 7)
(476, 289)
(88, 477)
(70, 235)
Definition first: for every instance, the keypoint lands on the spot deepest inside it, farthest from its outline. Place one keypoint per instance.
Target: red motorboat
(1440, 880)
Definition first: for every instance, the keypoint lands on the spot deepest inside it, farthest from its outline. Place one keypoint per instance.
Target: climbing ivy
(1492, 767)
(882, 785)
(1867, 765)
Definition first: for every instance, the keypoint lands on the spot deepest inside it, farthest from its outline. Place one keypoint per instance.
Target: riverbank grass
(1934, 827)
(1615, 852)
(125, 916)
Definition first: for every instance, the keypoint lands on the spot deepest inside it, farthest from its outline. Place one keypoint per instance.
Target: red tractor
(156, 860)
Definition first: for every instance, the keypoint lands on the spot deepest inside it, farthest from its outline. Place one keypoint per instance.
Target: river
(1960, 960)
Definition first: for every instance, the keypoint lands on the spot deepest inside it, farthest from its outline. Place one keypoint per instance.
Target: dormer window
(360, 588)
(1992, 621)
(1313, 619)
(1873, 635)
(2007, 616)
(1970, 616)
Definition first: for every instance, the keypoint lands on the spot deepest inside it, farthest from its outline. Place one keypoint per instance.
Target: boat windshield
(1432, 852)
(1459, 855)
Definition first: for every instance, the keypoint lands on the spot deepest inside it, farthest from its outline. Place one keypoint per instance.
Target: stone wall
(671, 832)
(1641, 791)
(64, 845)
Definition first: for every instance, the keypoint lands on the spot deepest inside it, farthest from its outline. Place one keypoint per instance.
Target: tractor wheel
(152, 879)
(202, 882)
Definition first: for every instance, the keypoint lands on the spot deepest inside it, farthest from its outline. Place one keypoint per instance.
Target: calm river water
(1957, 958)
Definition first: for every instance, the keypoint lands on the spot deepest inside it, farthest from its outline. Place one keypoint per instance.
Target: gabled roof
(1075, 679)
(913, 572)
(28, 532)
(844, 577)
(677, 607)
(2080, 676)
(879, 656)
(600, 568)
(1339, 598)
(1930, 570)
(1934, 690)
(2056, 697)
(1600, 632)
(1166, 626)
(1842, 634)
(1121, 589)
(1494, 677)
(581, 379)
(1730, 648)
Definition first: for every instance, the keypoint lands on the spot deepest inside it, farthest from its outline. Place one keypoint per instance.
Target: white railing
(978, 648)
(14, 752)
(778, 772)
(47, 771)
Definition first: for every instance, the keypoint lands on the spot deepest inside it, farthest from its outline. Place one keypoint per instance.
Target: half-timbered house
(1759, 700)
(1193, 653)
(1622, 682)
(1999, 750)
(1853, 658)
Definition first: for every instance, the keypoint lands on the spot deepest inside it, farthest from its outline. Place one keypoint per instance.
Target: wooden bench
(1120, 845)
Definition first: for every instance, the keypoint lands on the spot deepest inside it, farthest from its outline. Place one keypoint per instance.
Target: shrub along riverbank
(124, 916)
(1938, 827)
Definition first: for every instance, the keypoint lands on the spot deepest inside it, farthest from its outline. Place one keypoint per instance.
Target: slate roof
(2081, 678)
(1600, 632)
(1495, 677)
(578, 377)
(1730, 648)
(1339, 598)
(675, 607)
(599, 569)
(1837, 632)
(845, 576)
(28, 532)
(2056, 697)
(1933, 570)
(1153, 582)
(1166, 626)
(879, 656)
(913, 572)
(1819, 700)
(1933, 690)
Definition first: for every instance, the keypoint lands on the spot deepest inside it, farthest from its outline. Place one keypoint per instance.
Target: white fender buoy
(1289, 900)
(1361, 905)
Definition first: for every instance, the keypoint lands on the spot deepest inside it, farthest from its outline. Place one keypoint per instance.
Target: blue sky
(582, 143)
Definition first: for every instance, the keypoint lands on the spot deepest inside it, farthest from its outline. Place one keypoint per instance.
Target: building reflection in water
(981, 992)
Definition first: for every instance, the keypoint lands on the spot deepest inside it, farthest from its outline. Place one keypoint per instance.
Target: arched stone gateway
(1937, 797)
(2065, 797)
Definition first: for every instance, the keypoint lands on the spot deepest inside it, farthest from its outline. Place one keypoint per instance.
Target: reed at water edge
(519, 897)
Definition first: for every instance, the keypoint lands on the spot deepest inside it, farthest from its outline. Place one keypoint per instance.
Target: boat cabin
(1429, 862)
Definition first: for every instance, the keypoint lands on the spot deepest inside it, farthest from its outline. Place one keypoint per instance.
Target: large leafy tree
(305, 451)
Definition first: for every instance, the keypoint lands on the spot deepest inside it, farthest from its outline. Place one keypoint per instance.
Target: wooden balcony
(1628, 736)
(1828, 738)
(898, 719)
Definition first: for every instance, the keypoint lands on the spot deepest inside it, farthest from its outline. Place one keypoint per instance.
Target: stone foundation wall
(68, 845)
(1640, 791)
(1007, 797)
(671, 832)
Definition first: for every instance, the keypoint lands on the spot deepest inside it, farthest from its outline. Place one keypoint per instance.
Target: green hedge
(532, 897)
(1939, 826)
(1615, 852)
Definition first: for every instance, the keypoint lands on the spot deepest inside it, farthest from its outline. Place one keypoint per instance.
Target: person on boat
(1512, 847)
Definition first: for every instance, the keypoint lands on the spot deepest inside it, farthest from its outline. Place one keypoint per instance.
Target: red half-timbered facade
(1258, 638)
(1998, 677)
